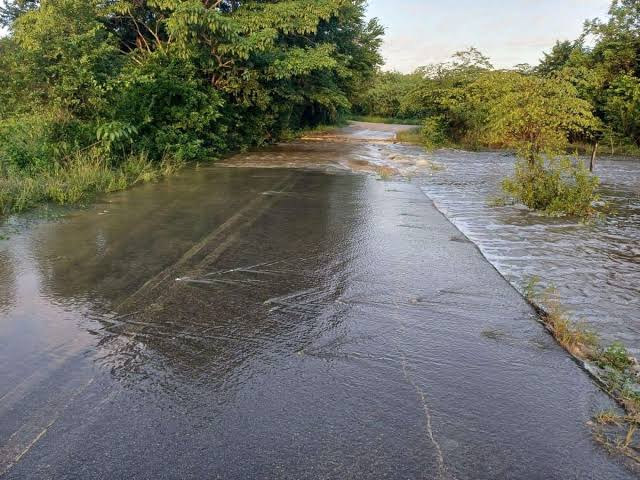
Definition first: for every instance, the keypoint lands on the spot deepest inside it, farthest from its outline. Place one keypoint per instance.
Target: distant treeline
(102, 82)
(589, 88)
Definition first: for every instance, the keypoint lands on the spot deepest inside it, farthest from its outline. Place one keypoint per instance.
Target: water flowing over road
(279, 323)
(595, 266)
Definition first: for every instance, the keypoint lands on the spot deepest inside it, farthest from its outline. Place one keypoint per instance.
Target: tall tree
(559, 57)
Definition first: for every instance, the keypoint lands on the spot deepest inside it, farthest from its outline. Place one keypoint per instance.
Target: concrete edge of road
(540, 312)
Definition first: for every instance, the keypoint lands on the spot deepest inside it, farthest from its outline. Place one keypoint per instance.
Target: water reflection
(243, 323)
(7, 281)
(166, 270)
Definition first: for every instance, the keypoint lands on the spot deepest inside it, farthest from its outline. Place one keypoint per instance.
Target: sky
(419, 32)
(510, 32)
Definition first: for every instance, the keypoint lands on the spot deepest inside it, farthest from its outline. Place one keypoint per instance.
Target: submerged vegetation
(96, 95)
(574, 337)
(583, 93)
(410, 136)
(615, 368)
(79, 180)
(554, 186)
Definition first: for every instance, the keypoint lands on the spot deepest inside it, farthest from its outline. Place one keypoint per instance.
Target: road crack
(443, 471)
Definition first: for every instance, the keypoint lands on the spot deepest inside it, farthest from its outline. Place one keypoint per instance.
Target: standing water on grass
(595, 266)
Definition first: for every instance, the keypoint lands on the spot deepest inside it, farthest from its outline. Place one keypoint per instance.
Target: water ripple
(595, 266)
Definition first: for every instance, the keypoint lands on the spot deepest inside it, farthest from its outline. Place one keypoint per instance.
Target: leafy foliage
(531, 114)
(615, 356)
(433, 132)
(556, 186)
(11, 10)
(180, 78)
(385, 95)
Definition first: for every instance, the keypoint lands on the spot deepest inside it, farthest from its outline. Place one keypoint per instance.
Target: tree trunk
(594, 153)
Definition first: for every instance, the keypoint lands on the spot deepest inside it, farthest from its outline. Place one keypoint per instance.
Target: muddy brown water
(277, 323)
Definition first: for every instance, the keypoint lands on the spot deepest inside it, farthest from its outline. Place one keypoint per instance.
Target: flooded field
(280, 323)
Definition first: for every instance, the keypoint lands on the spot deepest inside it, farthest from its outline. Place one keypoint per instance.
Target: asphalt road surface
(277, 323)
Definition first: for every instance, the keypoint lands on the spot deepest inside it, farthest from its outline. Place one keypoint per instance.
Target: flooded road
(278, 323)
(594, 266)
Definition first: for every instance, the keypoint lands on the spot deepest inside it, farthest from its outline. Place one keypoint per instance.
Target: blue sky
(509, 31)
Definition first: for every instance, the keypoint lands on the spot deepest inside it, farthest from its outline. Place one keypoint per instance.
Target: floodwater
(594, 266)
(278, 323)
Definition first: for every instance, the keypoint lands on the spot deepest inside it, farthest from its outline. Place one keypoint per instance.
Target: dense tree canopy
(188, 78)
(601, 68)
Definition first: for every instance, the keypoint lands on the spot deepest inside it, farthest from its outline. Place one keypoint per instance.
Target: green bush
(25, 142)
(434, 132)
(39, 141)
(167, 110)
(555, 186)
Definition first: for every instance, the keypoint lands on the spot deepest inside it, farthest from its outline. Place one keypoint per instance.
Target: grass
(387, 120)
(610, 424)
(617, 371)
(79, 180)
(413, 136)
(87, 174)
(608, 417)
(574, 337)
(291, 135)
(317, 129)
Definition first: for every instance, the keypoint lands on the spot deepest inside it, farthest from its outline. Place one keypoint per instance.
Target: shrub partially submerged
(555, 186)
(434, 132)
(79, 179)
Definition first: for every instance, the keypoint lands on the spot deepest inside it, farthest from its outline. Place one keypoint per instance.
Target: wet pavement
(277, 323)
(595, 265)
